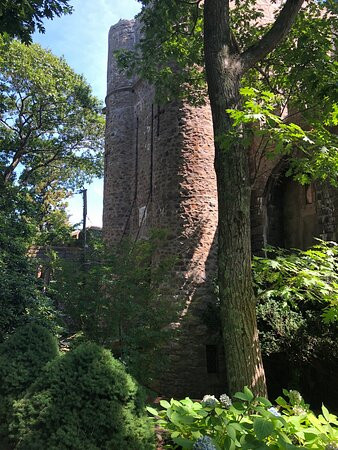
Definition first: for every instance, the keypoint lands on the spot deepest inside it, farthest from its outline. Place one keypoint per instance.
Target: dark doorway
(291, 213)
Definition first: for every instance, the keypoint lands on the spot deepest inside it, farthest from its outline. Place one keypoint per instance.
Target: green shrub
(82, 400)
(247, 423)
(22, 357)
(300, 277)
(297, 320)
(120, 302)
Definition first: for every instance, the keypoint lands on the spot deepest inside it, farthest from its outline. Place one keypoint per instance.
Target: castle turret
(119, 177)
(159, 175)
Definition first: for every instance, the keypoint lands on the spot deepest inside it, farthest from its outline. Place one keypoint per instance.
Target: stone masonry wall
(159, 173)
(161, 160)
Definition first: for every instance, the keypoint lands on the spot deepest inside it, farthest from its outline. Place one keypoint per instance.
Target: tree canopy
(50, 123)
(297, 79)
(20, 18)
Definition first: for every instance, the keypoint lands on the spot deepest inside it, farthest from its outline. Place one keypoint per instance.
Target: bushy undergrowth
(21, 296)
(297, 320)
(299, 277)
(83, 399)
(247, 422)
(22, 357)
(120, 302)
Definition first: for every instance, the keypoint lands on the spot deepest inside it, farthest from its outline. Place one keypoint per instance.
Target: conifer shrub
(83, 399)
(22, 357)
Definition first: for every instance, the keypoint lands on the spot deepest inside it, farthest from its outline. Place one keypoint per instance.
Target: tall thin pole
(84, 221)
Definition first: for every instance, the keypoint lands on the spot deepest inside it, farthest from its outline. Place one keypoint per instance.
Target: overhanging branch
(273, 37)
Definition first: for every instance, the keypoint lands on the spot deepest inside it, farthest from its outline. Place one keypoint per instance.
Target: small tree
(51, 133)
(118, 300)
(83, 399)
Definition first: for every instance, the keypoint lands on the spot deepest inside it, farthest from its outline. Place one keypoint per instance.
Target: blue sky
(82, 38)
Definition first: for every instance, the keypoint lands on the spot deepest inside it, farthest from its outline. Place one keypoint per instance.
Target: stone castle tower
(159, 173)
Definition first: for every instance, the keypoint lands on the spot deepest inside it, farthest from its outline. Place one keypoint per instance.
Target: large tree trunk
(240, 334)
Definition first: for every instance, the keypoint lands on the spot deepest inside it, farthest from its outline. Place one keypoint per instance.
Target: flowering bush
(247, 422)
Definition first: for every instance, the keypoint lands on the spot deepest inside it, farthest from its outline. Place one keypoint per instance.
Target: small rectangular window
(142, 215)
(212, 358)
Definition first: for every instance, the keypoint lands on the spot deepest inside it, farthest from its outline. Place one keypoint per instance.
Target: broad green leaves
(300, 276)
(250, 423)
(263, 428)
(312, 150)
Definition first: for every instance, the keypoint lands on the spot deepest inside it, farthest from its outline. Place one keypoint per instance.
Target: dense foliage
(21, 18)
(246, 422)
(297, 320)
(56, 135)
(118, 299)
(51, 139)
(297, 276)
(299, 74)
(311, 152)
(83, 399)
(50, 144)
(21, 297)
(22, 357)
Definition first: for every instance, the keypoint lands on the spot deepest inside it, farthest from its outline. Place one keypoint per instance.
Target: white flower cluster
(295, 398)
(298, 410)
(274, 411)
(331, 446)
(204, 443)
(225, 400)
(209, 400)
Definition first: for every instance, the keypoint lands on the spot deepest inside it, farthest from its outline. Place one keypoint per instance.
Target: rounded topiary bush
(22, 357)
(82, 400)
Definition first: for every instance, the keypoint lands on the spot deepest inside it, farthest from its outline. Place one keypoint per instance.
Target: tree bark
(224, 68)
(240, 334)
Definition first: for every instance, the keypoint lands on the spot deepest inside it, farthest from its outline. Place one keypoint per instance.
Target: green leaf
(165, 404)
(281, 401)
(242, 396)
(152, 411)
(264, 400)
(248, 393)
(185, 443)
(263, 428)
(326, 413)
(231, 432)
